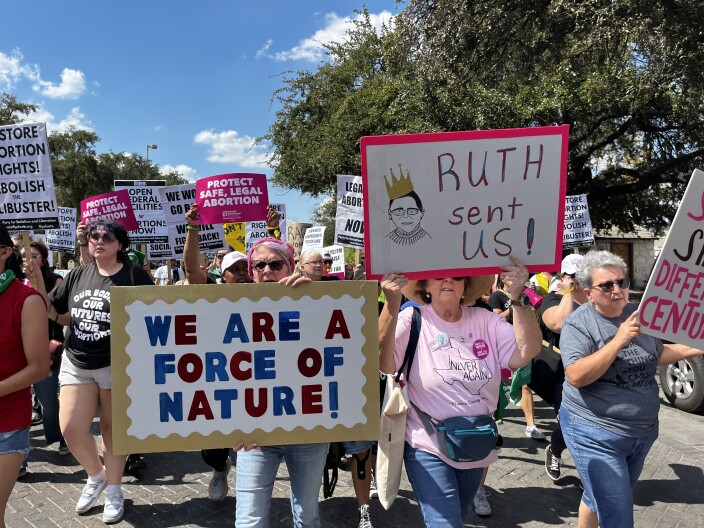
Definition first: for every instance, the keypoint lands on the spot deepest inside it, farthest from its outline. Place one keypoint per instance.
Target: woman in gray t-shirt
(609, 412)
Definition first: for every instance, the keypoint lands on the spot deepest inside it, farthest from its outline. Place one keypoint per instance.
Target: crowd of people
(493, 325)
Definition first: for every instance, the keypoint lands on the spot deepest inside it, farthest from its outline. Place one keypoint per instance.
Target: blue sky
(194, 78)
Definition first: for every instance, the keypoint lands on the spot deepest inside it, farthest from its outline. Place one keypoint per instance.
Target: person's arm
(588, 369)
(191, 251)
(391, 285)
(555, 316)
(672, 353)
(82, 236)
(272, 222)
(35, 341)
(529, 339)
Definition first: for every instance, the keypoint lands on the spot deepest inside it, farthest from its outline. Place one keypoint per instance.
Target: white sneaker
(365, 521)
(532, 432)
(114, 509)
(481, 504)
(218, 488)
(91, 494)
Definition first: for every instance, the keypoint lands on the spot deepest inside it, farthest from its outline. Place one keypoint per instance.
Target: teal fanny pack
(462, 438)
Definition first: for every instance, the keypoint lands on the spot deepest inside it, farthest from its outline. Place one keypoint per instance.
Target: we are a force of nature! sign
(672, 305)
(204, 367)
(461, 203)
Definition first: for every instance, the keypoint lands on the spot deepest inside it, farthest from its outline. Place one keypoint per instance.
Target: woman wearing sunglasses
(82, 301)
(610, 403)
(271, 260)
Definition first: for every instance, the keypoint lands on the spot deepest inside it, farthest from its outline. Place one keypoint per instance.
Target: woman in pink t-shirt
(456, 372)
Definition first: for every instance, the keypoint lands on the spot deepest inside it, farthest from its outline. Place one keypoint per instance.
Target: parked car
(683, 384)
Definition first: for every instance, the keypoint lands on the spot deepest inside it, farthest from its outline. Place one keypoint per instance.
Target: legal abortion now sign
(205, 367)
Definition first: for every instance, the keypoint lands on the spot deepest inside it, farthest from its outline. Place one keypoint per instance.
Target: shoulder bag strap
(132, 274)
(412, 345)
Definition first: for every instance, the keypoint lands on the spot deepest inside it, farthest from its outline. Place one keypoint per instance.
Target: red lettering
(337, 325)
(190, 367)
(185, 330)
(200, 407)
(236, 370)
(309, 362)
(255, 409)
(262, 327)
(311, 399)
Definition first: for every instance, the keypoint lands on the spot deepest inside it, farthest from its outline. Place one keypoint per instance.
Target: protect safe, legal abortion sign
(212, 366)
(671, 307)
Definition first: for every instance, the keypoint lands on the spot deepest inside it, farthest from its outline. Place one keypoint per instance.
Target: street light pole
(153, 147)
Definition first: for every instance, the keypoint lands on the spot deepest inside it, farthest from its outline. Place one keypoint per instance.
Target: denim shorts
(357, 446)
(70, 374)
(16, 441)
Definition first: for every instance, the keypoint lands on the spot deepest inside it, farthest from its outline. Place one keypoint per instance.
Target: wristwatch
(521, 301)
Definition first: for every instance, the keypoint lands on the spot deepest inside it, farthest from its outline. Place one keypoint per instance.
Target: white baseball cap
(232, 258)
(571, 263)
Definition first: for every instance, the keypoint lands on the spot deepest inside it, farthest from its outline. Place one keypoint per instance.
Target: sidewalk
(173, 491)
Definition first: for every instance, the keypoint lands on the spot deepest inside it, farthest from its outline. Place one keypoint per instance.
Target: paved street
(173, 490)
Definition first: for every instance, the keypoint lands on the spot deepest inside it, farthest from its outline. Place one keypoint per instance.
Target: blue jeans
(256, 471)
(443, 492)
(16, 441)
(46, 391)
(608, 464)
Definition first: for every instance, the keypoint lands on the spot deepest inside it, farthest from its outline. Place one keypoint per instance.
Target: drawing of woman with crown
(405, 210)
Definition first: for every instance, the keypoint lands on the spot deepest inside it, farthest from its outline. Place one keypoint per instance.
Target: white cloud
(262, 51)
(75, 118)
(230, 147)
(313, 48)
(72, 86)
(184, 170)
(13, 70)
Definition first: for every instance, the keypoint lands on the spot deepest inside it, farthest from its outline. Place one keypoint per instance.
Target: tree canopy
(626, 76)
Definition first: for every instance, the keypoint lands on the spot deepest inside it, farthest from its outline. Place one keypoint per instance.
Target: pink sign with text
(113, 206)
(236, 197)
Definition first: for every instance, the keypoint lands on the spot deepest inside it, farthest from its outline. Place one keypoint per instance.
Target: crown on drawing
(400, 186)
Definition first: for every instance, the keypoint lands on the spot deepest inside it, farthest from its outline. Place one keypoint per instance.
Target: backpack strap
(132, 274)
(412, 345)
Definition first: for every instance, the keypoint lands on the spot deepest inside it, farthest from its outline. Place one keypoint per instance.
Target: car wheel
(683, 384)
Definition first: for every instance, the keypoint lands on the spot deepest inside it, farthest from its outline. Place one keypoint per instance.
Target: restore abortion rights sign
(204, 367)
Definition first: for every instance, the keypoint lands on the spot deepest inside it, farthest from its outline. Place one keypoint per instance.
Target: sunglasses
(274, 265)
(608, 286)
(220, 255)
(453, 278)
(105, 237)
(313, 263)
(570, 275)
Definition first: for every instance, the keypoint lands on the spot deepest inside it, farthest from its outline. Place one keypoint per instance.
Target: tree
(12, 111)
(626, 76)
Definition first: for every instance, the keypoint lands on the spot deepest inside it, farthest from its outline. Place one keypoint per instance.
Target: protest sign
(114, 205)
(337, 268)
(349, 219)
(255, 231)
(144, 195)
(235, 235)
(236, 197)
(63, 238)
(454, 203)
(204, 367)
(27, 196)
(671, 306)
(176, 200)
(295, 233)
(578, 225)
(313, 239)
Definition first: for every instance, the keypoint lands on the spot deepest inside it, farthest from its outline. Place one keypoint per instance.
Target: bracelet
(568, 291)
(192, 228)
